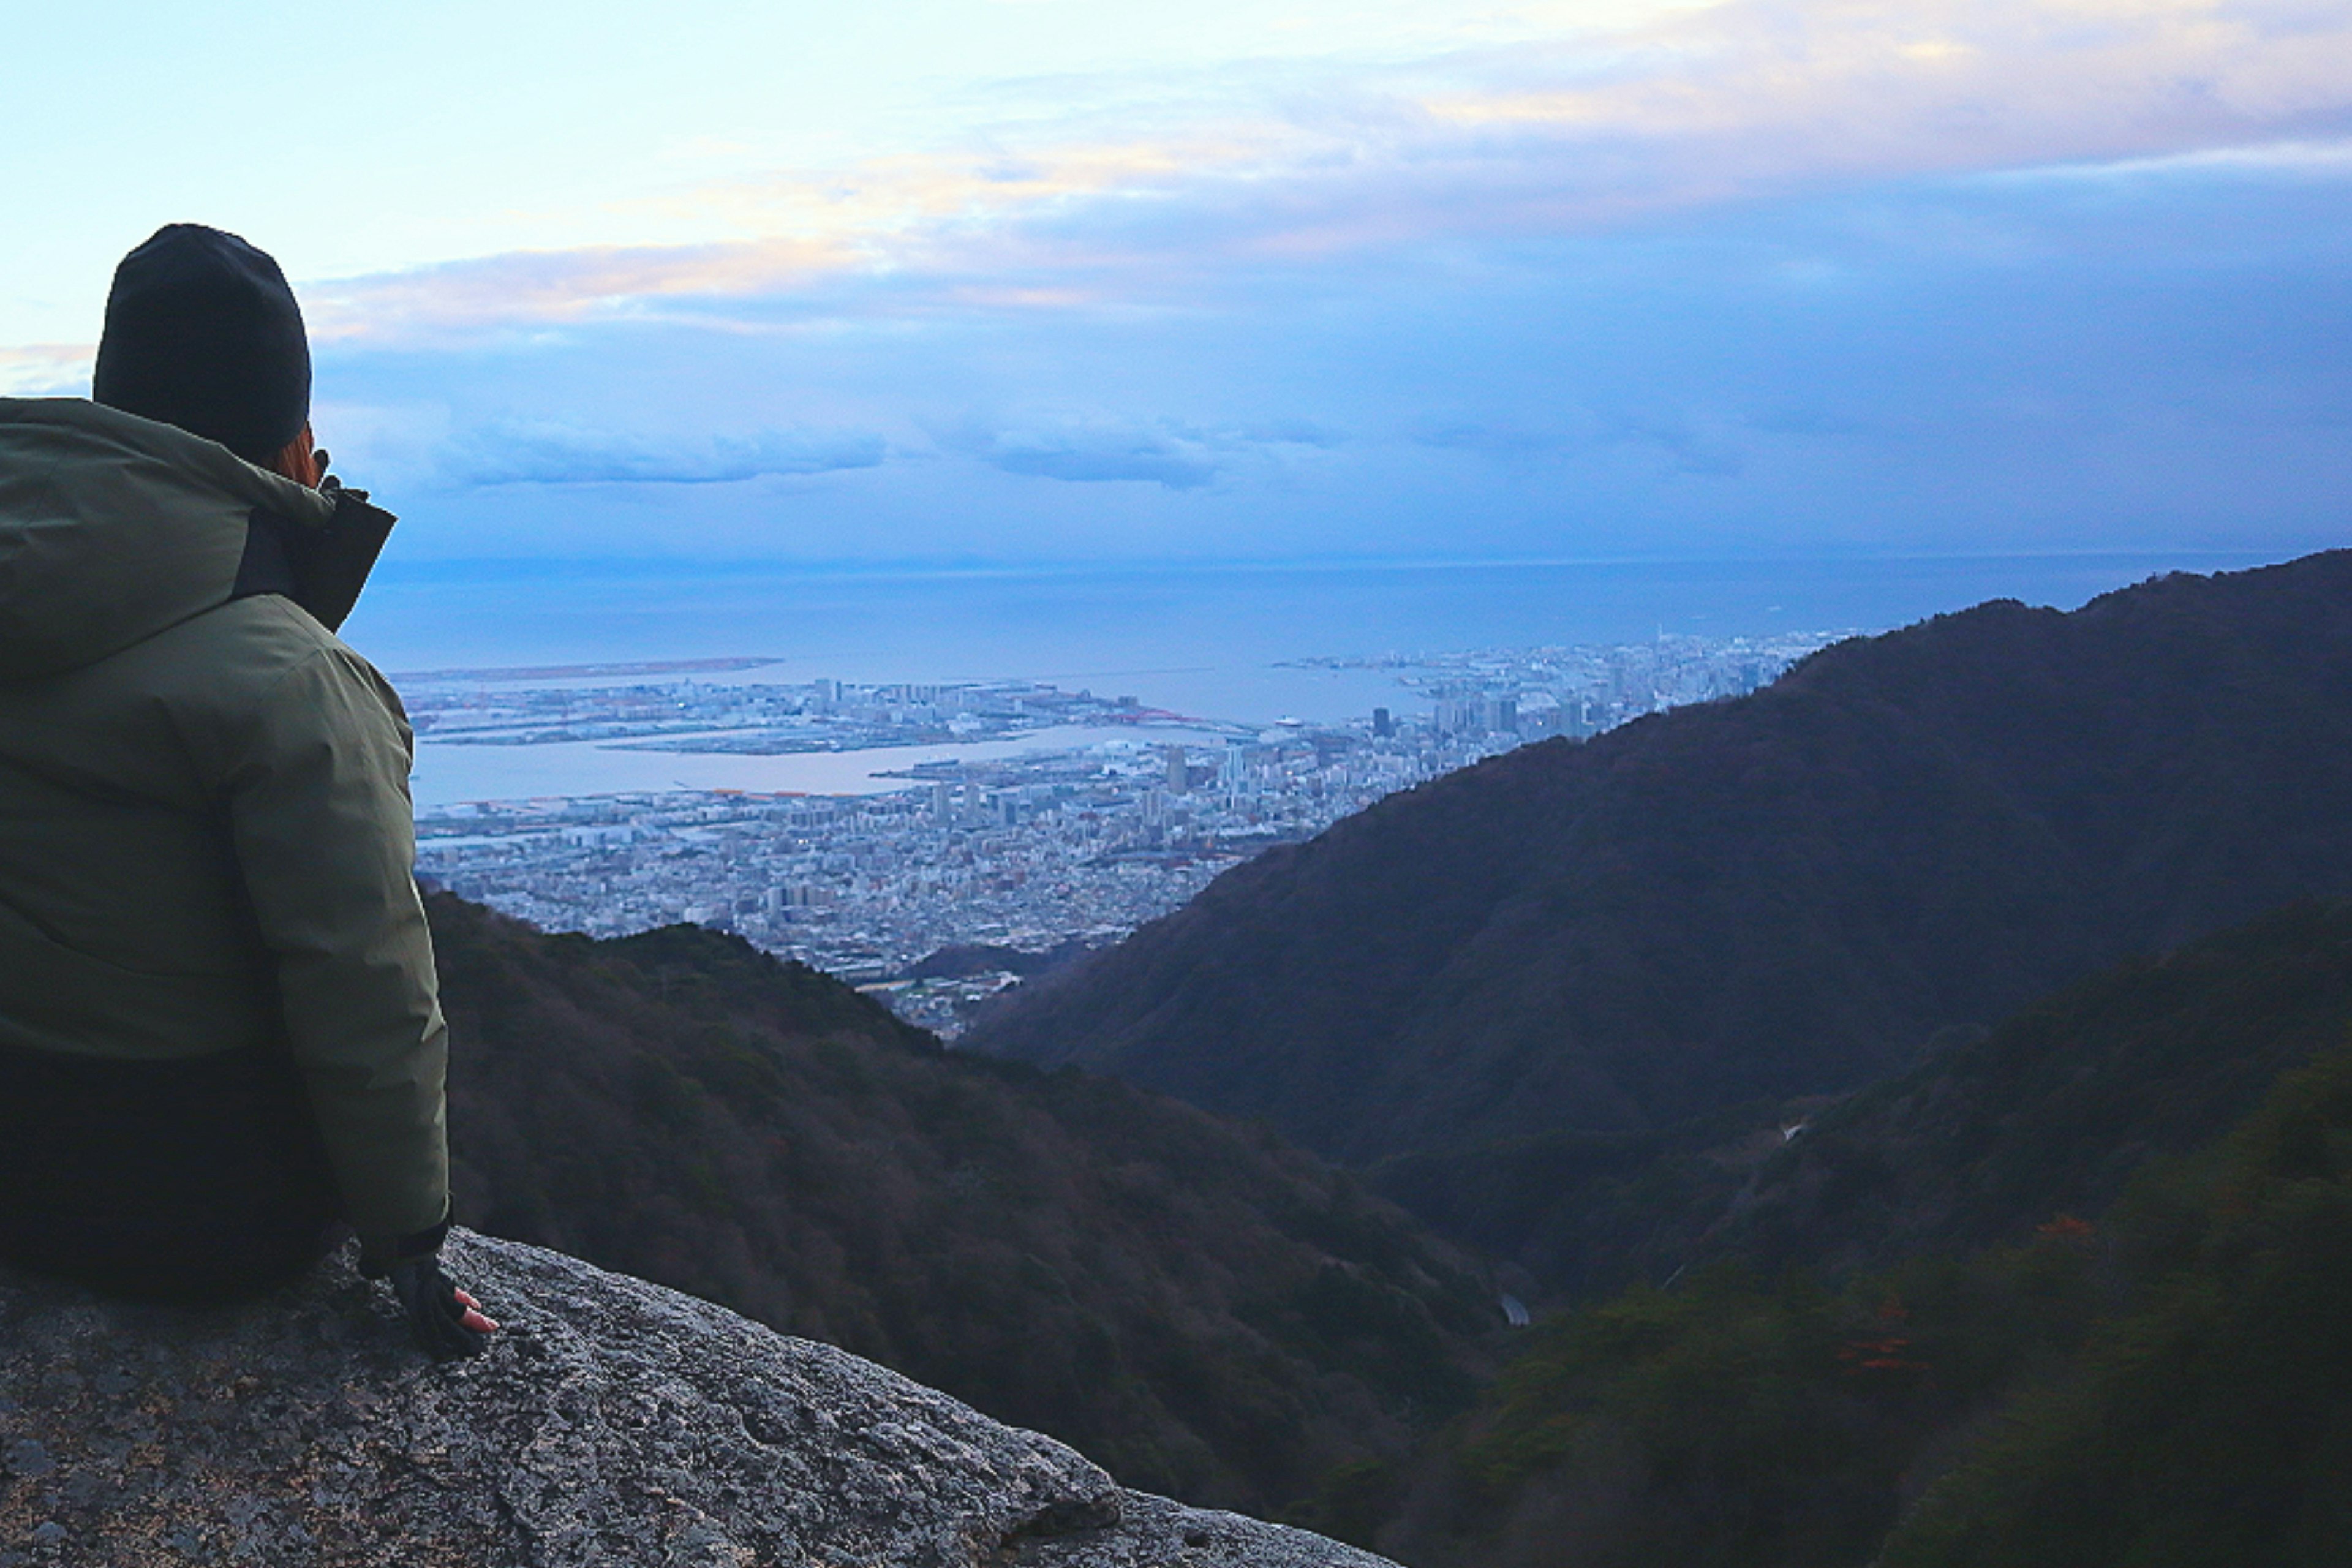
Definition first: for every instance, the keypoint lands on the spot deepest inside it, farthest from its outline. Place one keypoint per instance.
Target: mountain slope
(1782, 895)
(2211, 1421)
(1205, 1310)
(2054, 1111)
(2162, 1376)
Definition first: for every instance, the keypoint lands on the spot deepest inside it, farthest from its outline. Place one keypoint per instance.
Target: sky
(1002, 282)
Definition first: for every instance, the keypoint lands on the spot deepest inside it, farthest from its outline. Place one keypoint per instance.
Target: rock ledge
(614, 1423)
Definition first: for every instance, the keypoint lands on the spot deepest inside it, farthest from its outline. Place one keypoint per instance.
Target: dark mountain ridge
(1781, 895)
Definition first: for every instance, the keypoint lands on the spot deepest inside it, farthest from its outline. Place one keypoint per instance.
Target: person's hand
(447, 1322)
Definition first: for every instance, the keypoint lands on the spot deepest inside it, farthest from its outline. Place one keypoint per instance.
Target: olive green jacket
(205, 836)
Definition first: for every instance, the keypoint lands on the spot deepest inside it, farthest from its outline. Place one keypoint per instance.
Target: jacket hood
(113, 528)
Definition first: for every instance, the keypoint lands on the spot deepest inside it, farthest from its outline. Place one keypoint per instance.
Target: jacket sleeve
(320, 815)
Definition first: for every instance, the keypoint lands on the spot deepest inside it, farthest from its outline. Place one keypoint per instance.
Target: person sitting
(220, 1037)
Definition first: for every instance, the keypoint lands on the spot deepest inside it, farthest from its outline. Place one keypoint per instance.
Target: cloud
(539, 452)
(45, 369)
(1099, 449)
(2287, 160)
(1827, 275)
(1489, 438)
(521, 288)
(1690, 441)
(1724, 104)
(1693, 444)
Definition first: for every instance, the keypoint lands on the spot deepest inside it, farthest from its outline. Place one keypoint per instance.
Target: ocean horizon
(1088, 622)
(1211, 642)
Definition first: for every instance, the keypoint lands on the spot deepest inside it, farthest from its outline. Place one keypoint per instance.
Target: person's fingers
(478, 1323)
(461, 1296)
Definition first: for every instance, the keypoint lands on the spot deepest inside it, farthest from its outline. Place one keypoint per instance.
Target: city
(955, 875)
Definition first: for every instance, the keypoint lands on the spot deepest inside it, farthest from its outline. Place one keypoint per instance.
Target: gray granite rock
(1152, 1532)
(612, 1422)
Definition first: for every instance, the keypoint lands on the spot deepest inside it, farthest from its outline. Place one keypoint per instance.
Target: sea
(1225, 643)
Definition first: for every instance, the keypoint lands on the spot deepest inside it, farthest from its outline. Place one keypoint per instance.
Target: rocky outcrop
(614, 1422)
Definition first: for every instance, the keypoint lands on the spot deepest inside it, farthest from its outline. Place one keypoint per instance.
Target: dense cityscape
(966, 871)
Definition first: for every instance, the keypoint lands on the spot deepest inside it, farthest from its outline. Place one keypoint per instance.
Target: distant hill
(2053, 1111)
(1203, 1310)
(2056, 1111)
(2074, 1293)
(1784, 895)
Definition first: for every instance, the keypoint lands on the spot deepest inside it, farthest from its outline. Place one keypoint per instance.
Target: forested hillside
(1730, 905)
(2054, 1110)
(1205, 1310)
(2152, 1363)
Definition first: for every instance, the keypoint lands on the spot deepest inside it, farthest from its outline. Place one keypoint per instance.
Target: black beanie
(203, 333)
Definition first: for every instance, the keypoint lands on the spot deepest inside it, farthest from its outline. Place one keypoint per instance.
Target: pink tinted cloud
(1742, 100)
(45, 369)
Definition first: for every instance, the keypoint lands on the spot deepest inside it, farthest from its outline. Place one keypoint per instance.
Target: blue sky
(1056, 282)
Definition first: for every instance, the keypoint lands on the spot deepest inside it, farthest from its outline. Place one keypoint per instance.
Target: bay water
(1210, 642)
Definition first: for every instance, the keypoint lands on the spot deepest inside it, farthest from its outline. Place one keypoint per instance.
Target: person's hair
(297, 460)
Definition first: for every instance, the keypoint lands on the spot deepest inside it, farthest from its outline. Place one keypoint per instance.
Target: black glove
(435, 1317)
